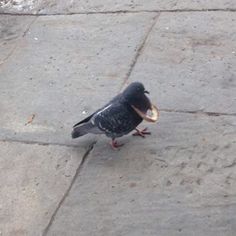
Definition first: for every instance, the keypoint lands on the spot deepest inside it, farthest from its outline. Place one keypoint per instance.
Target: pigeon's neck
(142, 103)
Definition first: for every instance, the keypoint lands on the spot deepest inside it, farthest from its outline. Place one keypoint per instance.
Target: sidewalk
(60, 61)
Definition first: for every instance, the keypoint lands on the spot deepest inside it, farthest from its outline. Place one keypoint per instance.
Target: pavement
(60, 60)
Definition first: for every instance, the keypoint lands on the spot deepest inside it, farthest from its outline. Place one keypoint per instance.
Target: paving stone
(67, 7)
(189, 62)
(34, 179)
(65, 68)
(179, 181)
(60, 6)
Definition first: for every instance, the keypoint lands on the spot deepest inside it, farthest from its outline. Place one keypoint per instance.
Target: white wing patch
(105, 108)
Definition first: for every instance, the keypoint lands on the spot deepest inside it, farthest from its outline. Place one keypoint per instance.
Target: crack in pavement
(199, 112)
(17, 43)
(41, 143)
(78, 170)
(8, 55)
(139, 51)
(28, 28)
(193, 112)
(122, 12)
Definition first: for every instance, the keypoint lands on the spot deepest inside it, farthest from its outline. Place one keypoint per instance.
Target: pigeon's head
(135, 89)
(134, 94)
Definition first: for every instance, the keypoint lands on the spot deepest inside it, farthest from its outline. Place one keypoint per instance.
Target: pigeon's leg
(115, 144)
(141, 133)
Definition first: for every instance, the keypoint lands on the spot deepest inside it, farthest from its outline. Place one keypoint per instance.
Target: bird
(119, 116)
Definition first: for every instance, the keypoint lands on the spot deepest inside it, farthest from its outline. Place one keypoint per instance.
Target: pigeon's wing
(116, 119)
(85, 126)
(116, 98)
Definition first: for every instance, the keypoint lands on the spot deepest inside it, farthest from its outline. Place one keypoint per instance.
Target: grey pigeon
(118, 117)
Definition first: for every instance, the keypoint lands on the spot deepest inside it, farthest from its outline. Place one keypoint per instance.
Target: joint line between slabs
(139, 51)
(121, 12)
(78, 170)
(198, 112)
(32, 142)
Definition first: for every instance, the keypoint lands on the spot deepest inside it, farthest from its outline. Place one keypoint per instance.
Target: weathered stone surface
(66, 7)
(65, 68)
(56, 6)
(12, 29)
(34, 179)
(179, 181)
(189, 62)
(20, 6)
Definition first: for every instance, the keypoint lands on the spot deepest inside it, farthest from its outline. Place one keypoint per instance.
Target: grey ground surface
(60, 60)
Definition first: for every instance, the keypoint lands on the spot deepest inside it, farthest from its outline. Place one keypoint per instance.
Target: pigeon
(118, 117)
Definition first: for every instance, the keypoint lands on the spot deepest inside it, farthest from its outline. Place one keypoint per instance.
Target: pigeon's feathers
(83, 121)
(86, 126)
(82, 129)
(117, 117)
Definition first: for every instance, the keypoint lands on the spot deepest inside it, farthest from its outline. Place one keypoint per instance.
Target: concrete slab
(189, 62)
(66, 7)
(179, 181)
(55, 6)
(12, 29)
(65, 68)
(34, 179)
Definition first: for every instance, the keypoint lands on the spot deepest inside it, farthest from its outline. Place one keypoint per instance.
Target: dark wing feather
(84, 120)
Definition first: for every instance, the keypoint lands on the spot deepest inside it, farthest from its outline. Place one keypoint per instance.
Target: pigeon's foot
(115, 144)
(141, 133)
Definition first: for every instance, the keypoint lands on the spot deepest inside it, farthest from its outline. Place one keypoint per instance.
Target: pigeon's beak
(146, 92)
(154, 116)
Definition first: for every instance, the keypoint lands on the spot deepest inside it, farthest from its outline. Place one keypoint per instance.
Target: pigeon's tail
(81, 129)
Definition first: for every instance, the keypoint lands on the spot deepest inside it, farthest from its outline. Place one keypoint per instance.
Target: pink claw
(141, 133)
